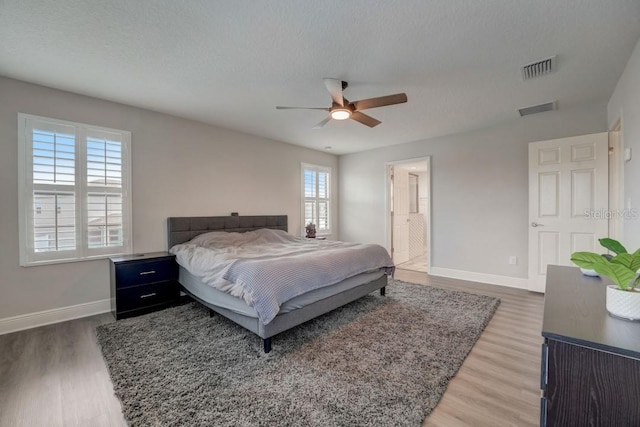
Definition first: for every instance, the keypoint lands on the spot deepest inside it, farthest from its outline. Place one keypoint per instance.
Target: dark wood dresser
(590, 360)
(143, 283)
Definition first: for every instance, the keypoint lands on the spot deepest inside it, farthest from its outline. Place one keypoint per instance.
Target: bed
(293, 312)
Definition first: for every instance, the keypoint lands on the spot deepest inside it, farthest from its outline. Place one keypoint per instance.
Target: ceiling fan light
(340, 114)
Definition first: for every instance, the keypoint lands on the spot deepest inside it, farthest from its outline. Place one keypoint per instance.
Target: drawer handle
(144, 273)
(153, 294)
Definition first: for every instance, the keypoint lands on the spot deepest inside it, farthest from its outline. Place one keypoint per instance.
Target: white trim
(388, 201)
(316, 168)
(492, 279)
(23, 170)
(28, 256)
(68, 260)
(56, 315)
(616, 179)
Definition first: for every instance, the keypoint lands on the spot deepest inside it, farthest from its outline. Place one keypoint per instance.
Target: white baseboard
(56, 315)
(492, 279)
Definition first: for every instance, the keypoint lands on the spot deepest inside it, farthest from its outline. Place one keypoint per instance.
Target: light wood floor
(55, 375)
(419, 263)
(499, 382)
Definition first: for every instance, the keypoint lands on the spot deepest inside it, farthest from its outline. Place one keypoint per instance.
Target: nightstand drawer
(146, 295)
(139, 273)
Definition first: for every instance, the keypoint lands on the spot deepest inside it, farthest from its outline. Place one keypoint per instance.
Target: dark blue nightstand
(143, 283)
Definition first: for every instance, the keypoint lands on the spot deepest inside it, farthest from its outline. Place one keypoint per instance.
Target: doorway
(409, 213)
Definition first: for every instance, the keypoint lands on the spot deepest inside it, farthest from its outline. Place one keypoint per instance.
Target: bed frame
(183, 229)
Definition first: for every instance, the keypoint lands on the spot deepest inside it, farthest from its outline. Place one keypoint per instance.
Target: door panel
(549, 156)
(568, 182)
(549, 249)
(584, 242)
(582, 191)
(400, 215)
(549, 193)
(583, 152)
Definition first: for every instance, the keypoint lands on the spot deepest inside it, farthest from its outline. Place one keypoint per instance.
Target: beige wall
(625, 105)
(479, 190)
(179, 167)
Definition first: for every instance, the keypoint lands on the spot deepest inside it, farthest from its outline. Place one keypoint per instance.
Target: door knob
(535, 224)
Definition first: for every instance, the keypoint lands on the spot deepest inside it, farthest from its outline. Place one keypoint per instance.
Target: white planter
(588, 272)
(623, 304)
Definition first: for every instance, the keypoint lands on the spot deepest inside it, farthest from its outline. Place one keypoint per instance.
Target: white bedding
(211, 256)
(222, 299)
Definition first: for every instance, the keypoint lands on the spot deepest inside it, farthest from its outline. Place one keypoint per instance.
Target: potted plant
(623, 299)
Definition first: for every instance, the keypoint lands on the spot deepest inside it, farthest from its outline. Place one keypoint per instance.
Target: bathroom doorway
(409, 206)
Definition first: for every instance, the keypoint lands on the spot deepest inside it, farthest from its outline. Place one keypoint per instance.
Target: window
(75, 198)
(316, 184)
(414, 192)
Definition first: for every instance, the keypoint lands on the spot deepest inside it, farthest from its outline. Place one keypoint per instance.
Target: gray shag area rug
(379, 361)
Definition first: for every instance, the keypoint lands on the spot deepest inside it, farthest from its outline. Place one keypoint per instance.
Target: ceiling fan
(342, 109)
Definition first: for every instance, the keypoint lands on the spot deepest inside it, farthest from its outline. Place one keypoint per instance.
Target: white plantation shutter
(104, 190)
(323, 200)
(53, 171)
(74, 191)
(54, 224)
(316, 183)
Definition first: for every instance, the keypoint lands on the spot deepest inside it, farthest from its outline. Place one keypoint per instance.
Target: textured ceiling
(229, 63)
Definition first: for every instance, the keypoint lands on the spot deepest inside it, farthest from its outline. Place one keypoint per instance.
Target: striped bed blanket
(266, 268)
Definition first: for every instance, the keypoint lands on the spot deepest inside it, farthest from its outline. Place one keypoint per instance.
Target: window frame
(329, 199)
(80, 188)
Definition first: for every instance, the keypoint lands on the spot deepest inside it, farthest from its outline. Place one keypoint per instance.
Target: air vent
(538, 68)
(549, 106)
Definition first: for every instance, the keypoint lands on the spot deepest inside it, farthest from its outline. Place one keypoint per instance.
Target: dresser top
(575, 312)
(140, 257)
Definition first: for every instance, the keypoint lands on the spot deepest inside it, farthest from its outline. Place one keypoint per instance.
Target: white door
(616, 183)
(400, 217)
(568, 201)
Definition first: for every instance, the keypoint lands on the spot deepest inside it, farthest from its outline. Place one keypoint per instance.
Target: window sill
(71, 260)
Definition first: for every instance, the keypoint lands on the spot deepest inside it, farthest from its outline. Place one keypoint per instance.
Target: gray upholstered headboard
(183, 229)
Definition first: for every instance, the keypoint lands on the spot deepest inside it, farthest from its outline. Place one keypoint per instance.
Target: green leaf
(613, 245)
(623, 259)
(632, 262)
(618, 273)
(587, 259)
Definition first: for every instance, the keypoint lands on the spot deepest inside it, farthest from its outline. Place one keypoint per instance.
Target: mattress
(222, 299)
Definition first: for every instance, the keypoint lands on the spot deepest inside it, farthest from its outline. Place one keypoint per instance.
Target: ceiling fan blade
(334, 86)
(322, 123)
(364, 119)
(301, 108)
(380, 101)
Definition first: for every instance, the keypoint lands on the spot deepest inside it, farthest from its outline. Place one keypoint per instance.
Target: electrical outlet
(513, 260)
